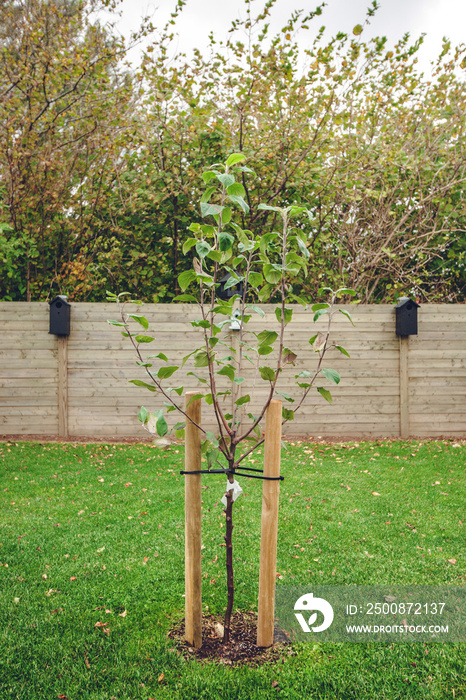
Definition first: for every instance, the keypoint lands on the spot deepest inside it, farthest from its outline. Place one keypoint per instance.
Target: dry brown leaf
(73, 578)
(161, 677)
(145, 560)
(374, 493)
(451, 561)
(123, 614)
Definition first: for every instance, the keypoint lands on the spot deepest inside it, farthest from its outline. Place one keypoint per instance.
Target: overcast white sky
(437, 18)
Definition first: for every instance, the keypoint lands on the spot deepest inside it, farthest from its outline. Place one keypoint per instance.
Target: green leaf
(240, 201)
(228, 371)
(272, 274)
(242, 400)
(187, 245)
(236, 189)
(257, 309)
(139, 382)
(199, 379)
(226, 215)
(325, 393)
(143, 415)
(302, 247)
(144, 338)
(208, 176)
(255, 279)
(238, 380)
(165, 372)
(202, 248)
(267, 337)
(210, 436)
(319, 313)
(116, 323)
(185, 279)
(342, 350)
(287, 413)
(288, 314)
(318, 307)
(267, 207)
(141, 320)
(347, 314)
(232, 281)
(357, 30)
(345, 290)
(267, 373)
(208, 194)
(203, 323)
(201, 358)
(210, 209)
(225, 241)
(286, 396)
(234, 159)
(195, 397)
(185, 297)
(159, 356)
(161, 426)
(264, 350)
(225, 178)
(332, 375)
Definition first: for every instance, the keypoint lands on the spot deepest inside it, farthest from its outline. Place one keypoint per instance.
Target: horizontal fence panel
(99, 362)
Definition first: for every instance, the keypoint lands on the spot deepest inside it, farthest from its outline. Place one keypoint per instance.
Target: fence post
(269, 525)
(62, 342)
(192, 490)
(404, 392)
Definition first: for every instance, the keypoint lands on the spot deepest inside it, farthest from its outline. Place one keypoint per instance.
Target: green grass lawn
(94, 534)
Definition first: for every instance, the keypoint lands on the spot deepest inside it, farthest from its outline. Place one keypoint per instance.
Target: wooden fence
(79, 386)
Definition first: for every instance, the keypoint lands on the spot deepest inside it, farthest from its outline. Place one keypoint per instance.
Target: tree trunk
(229, 564)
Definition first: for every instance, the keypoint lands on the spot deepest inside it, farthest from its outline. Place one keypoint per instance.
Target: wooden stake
(192, 491)
(269, 526)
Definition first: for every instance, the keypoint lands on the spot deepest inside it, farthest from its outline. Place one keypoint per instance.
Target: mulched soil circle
(242, 648)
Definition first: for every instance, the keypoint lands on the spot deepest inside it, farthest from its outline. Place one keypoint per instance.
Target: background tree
(63, 99)
(101, 168)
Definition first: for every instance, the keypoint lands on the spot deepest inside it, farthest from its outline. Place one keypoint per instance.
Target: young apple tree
(256, 269)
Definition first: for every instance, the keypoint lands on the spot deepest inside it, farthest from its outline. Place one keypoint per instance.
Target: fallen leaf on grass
(145, 560)
(451, 561)
(123, 614)
(50, 592)
(73, 578)
(161, 677)
(86, 662)
(274, 684)
(374, 493)
(103, 626)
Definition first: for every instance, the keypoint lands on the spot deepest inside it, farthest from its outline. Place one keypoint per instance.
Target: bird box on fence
(229, 291)
(406, 317)
(60, 312)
